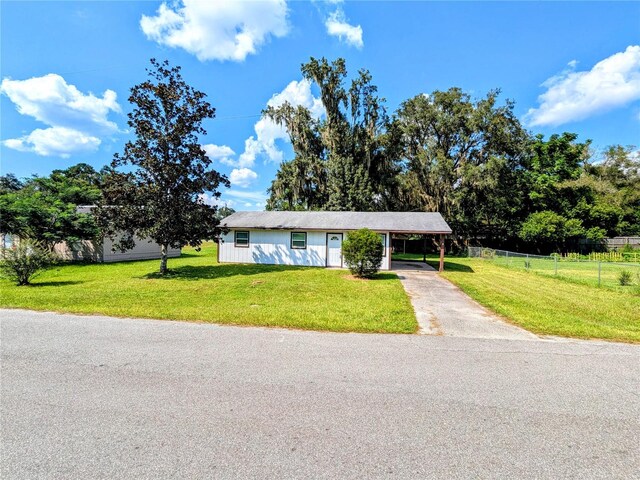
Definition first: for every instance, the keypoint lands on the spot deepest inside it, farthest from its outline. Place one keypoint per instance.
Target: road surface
(97, 397)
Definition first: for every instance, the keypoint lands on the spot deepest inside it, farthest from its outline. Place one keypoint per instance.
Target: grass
(408, 257)
(200, 289)
(548, 306)
(585, 272)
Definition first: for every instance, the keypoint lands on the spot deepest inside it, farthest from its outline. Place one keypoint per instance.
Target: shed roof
(400, 222)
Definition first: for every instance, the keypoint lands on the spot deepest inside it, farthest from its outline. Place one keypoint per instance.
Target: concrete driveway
(443, 309)
(97, 397)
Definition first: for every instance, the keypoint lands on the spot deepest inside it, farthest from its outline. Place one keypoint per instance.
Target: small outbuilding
(315, 238)
(102, 250)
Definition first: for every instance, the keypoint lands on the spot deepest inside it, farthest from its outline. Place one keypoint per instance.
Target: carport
(424, 224)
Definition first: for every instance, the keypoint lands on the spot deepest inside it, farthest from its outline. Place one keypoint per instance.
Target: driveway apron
(443, 309)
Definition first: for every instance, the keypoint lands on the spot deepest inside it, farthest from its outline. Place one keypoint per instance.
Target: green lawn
(408, 257)
(546, 305)
(199, 289)
(604, 274)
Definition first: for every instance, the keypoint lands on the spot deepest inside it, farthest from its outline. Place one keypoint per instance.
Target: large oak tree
(342, 160)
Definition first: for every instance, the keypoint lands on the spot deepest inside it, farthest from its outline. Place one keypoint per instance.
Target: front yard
(199, 289)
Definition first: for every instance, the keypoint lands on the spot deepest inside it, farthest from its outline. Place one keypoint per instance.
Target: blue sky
(66, 69)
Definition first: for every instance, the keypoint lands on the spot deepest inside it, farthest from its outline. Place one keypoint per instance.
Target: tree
(341, 161)
(615, 183)
(363, 251)
(549, 229)
(224, 212)
(9, 183)
(463, 159)
(161, 196)
(44, 209)
(551, 171)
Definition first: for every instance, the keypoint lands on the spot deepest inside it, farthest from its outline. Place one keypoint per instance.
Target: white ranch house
(315, 238)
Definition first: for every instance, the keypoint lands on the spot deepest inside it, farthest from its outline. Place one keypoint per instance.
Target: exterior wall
(273, 247)
(84, 250)
(144, 250)
(88, 251)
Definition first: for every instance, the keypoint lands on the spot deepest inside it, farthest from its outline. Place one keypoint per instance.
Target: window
(383, 238)
(241, 238)
(298, 240)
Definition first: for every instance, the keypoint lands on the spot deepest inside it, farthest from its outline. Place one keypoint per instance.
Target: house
(315, 238)
(102, 250)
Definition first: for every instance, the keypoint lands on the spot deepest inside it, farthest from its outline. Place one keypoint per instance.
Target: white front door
(334, 250)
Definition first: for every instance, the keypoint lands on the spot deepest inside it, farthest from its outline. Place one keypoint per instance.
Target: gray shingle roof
(399, 222)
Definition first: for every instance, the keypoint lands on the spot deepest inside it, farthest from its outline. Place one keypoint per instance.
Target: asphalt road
(96, 397)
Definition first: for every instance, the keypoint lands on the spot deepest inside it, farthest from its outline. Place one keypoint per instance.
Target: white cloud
(216, 202)
(54, 141)
(570, 96)
(267, 132)
(242, 199)
(217, 29)
(242, 177)
(338, 26)
(221, 153)
(249, 196)
(76, 120)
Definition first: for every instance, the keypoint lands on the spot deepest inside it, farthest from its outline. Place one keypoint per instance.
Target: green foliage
(224, 212)
(625, 278)
(24, 261)
(344, 161)
(462, 160)
(44, 209)
(161, 197)
(362, 251)
(550, 229)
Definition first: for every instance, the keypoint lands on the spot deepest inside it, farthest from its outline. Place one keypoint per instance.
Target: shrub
(24, 261)
(362, 251)
(624, 277)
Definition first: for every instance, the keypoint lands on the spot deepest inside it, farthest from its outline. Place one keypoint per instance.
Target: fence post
(507, 258)
(599, 272)
(555, 264)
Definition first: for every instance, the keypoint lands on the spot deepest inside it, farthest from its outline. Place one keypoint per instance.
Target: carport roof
(398, 222)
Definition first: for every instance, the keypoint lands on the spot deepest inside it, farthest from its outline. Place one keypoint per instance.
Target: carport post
(441, 253)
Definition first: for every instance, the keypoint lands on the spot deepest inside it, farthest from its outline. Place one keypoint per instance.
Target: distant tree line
(496, 183)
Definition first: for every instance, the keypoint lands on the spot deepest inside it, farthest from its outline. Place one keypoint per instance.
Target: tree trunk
(163, 259)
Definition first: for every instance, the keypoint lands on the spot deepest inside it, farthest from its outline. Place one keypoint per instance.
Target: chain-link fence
(621, 276)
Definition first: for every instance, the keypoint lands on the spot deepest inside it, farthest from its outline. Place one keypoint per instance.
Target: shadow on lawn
(451, 266)
(54, 283)
(384, 276)
(190, 272)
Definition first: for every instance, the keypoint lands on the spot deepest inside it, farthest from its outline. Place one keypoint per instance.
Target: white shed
(102, 250)
(315, 238)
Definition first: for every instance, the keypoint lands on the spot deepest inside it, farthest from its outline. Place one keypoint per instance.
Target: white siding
(86, 250)
(144, 250)
(274, 247)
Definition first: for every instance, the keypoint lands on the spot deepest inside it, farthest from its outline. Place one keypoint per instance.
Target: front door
(334, 250)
